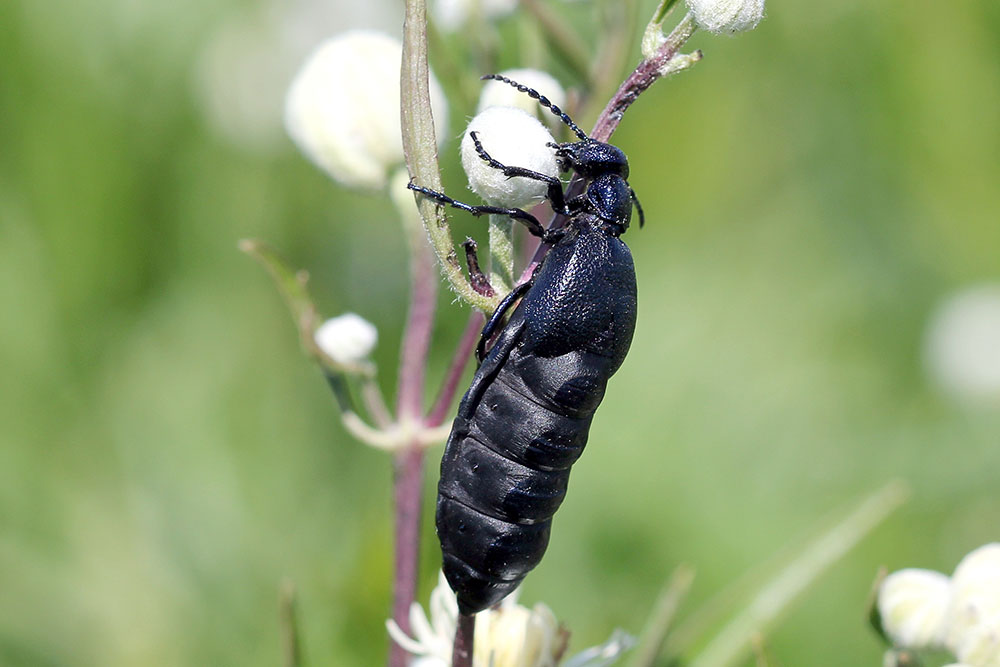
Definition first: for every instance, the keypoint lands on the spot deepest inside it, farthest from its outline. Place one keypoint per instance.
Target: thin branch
(642, 77)
(466, 345)
(291, 650)
(461, 654)
(420, 322)
(660, 623)
(732, 643)
(407, 487)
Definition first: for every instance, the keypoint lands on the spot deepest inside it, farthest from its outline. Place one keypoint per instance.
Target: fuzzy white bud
(451, 15)
(500, 94)
(516, 139)
(974, 631)
(962, 350)
(342, 109)
(347, 339)
(727, 16)
(913, 605)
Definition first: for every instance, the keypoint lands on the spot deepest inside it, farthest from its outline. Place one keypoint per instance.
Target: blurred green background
(815, 189)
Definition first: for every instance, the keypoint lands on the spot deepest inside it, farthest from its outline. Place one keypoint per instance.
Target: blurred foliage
(167, 455)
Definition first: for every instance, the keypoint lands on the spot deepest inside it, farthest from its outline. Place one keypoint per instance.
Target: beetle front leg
(528, 220)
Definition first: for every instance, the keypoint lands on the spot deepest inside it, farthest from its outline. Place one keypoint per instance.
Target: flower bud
(347, 339)
(515, 139)
(980, 646)
(730, 16)
(913, 605)
(500, 94)
(974, 628)
(962, 349)
(342, 109)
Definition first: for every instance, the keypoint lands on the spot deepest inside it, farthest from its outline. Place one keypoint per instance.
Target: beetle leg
(477, 278)
(529, 221)
(497, 317)
(555, 192)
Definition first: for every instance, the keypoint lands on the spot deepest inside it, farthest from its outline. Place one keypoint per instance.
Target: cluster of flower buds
(508, 635)
(926, 610)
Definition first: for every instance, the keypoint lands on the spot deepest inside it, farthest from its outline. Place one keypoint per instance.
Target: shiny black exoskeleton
(526, 417)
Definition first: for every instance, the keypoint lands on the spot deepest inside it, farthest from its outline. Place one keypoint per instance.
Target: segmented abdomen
(506, 468)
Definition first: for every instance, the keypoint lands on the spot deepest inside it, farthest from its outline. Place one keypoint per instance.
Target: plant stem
(291, 651)
(442, 404)
(417, 337)
(662, 619)
(731, 644)
(501, 230)
(642, 77)
(408, 487)
(461, 654)
(420, 149)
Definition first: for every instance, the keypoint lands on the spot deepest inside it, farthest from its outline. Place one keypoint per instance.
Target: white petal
(409, 644)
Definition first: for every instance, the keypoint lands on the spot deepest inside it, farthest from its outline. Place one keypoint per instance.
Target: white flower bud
(980, 646)
(515, 139)
(974, 617)
(730, 16)
(913, 605)
(500, 94)
(342, 109)
(963, 345)
(450, 15)
(347, 339)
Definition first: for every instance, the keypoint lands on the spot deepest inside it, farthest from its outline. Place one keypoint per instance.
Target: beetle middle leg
(528, 220)
(496, 319)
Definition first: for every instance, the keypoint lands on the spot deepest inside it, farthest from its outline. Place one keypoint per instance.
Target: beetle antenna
(544, 101)
(638, 207)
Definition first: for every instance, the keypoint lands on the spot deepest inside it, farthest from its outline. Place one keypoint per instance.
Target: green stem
(501, 253)
(420, 149)
(733, 642)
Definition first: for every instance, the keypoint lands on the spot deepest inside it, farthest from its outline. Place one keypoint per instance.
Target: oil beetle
(526, 417)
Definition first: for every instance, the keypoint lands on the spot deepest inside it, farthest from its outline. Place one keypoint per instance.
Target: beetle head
(591, 158)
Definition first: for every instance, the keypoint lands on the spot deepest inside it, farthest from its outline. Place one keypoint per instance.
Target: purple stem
(408, 487)
(409, 462)
(442, 405)
(461, 654)
(642, 77)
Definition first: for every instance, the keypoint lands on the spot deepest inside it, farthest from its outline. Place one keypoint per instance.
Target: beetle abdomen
(504, 474)
(526, 417)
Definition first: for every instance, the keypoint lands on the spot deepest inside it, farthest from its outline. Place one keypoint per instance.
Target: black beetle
(526, 416)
